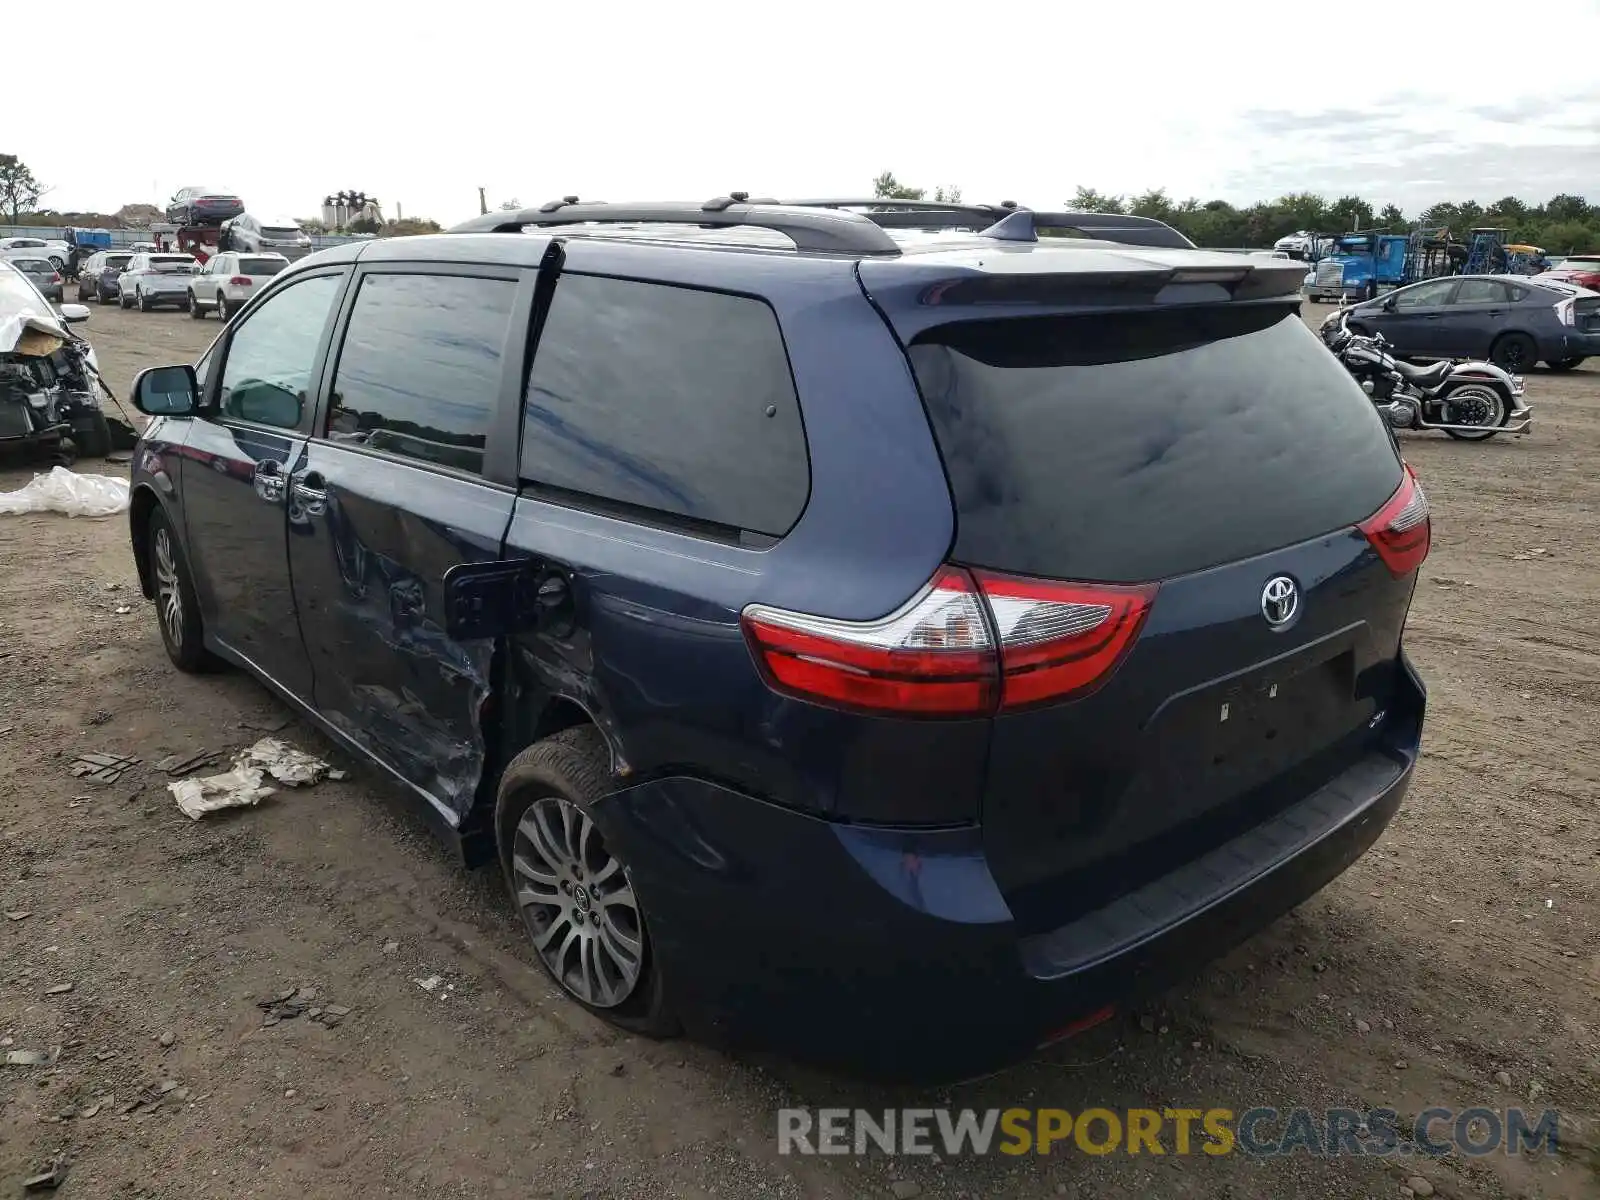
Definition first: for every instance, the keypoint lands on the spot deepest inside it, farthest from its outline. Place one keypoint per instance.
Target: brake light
(55, 276)
(1402, 530)
(934, 656)
(239, 281)
(1567, 311)
(967, 645)
(1060, 640)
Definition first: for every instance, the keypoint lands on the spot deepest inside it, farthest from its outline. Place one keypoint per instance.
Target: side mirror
(72, 314)
(167, 391)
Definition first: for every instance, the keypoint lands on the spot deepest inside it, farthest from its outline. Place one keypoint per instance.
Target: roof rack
(833, 225)
(807, 228)
(935, 214)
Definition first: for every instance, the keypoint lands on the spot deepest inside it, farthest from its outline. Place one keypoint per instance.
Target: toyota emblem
(1280, 601)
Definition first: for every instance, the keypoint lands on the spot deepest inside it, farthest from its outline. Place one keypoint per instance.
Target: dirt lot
(1461, 954)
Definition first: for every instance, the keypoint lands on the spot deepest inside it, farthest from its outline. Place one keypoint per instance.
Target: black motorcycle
(1469, 400)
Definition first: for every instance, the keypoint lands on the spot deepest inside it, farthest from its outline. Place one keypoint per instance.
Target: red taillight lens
(1401, 530)
(55, 276)
(1060, 640)
(239, 281)
(937, 654)
(934, 656)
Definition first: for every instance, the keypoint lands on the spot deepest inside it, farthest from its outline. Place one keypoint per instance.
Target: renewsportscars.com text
(1256, 1132)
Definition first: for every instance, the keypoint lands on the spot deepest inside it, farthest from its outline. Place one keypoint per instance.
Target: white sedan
(229, 280)
(30, 247)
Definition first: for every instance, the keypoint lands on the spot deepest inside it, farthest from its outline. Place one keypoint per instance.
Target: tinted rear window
(117, 260)
(669, 399)
(1138, 446)
(261, 266)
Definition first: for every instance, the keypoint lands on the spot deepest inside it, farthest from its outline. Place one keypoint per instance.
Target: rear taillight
(1401, 530)
(934, 656)
(55, 276)
(1567, 311)
(938, 655)
(1060, 640)
(239, 281)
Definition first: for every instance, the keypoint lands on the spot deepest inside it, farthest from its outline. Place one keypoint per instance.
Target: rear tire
(1514, 352)
(1565, 364)
(556, 855)
(177, 610)
(1482, 399)
(222, 308)
(143, 301)
(190, 307)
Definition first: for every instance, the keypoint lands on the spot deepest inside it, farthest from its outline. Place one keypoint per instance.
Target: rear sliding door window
(419, 372)
(668, 399)
(1131, 447)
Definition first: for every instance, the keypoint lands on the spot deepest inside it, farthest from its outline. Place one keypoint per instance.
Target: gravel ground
(1456, 964)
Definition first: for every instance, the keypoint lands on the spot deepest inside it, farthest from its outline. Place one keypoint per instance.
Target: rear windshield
(172, 264)
(117, 260)
(279, 231)
(261, 266)
(33, 266)
(1124, 447)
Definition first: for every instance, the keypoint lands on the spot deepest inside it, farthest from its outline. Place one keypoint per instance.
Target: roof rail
(937, 214)
(806, 227)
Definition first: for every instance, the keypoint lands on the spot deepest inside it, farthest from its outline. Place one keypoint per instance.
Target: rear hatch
(1190, 475)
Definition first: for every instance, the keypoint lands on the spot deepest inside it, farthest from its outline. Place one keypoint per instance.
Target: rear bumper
(1575, 345)
(892, 953)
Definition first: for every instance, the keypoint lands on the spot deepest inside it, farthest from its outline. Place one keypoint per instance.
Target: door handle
(310, 493)
(267, 479)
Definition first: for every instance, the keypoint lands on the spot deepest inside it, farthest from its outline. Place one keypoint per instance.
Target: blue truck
(1359, 266)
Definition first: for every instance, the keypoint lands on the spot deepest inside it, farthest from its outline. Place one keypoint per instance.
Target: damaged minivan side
(714, 570)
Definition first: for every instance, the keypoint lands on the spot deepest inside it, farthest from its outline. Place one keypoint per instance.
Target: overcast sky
(283, 101)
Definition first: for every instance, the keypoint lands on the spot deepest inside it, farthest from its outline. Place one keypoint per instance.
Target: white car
(229, 280)
(248, 233)
(52, 248)
(153, 279)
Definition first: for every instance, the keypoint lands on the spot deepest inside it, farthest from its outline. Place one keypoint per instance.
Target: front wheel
(1565, 364)
(1476, 404)
(1513, 352)
(177, 609)
(571, 887)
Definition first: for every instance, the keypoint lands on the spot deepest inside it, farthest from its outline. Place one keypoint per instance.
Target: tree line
(1564, 224)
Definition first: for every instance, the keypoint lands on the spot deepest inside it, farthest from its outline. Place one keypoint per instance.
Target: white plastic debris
(284, 763)
(242, 787)
(67, 492)
(245, 785)
(430, 984)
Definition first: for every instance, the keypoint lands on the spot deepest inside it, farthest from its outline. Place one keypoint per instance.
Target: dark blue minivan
(886, 634)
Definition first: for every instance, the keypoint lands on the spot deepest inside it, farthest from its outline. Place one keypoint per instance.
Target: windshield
(280, 231)
(171, 264)
(261, 266)
(1122, 447)
(1360, 246)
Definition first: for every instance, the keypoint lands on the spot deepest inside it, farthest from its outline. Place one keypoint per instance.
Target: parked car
(53, 249)
(229, 280)
(41, 273)
(144, 248)
(98, 276)
(1580, 269)
(250, 233)
(152, 279)
(203, 206)
(740, 619)
(1514, 321)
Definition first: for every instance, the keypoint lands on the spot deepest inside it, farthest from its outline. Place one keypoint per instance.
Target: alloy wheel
(169, 598)
(578, 903)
